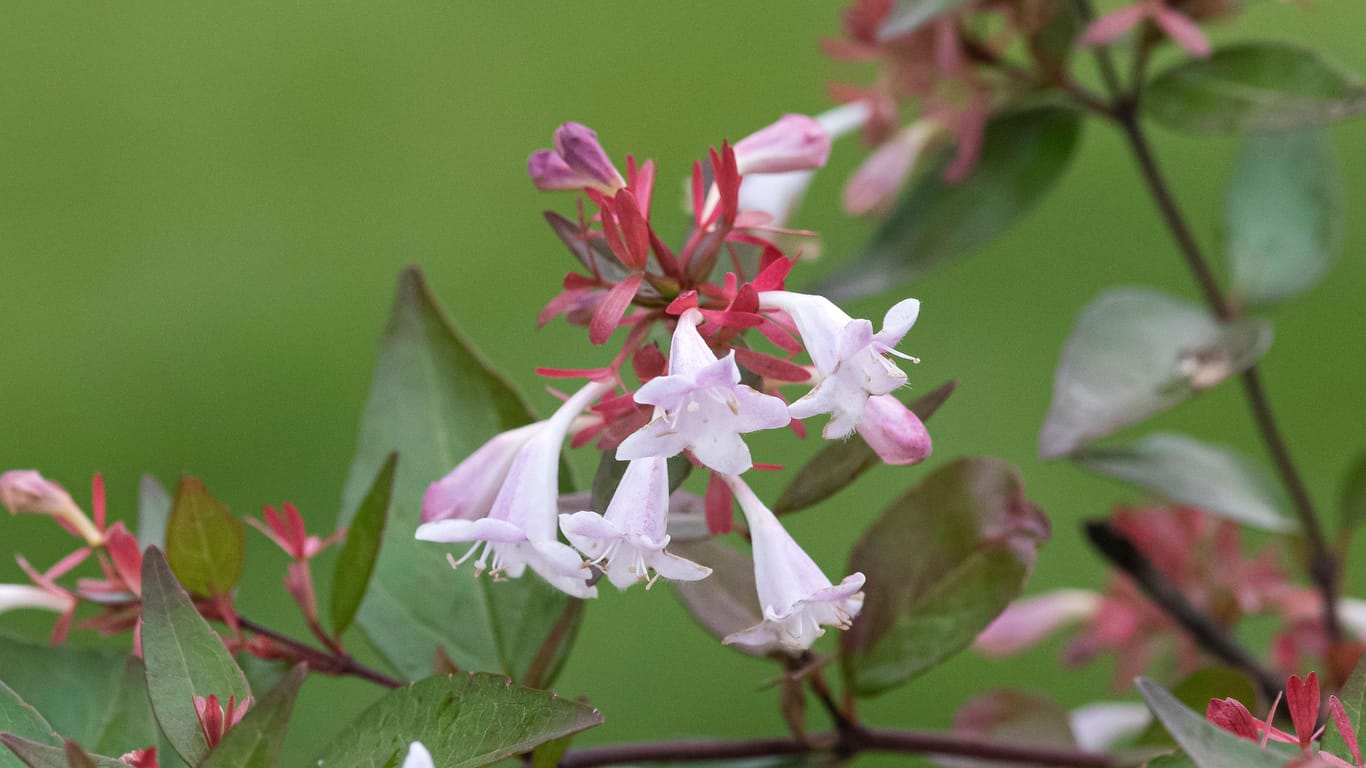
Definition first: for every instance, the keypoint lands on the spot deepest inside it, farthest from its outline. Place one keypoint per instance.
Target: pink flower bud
(1030, 620)
(793, 143)
(894, 432)
(24, 491)
(577, 162)
(874, 186)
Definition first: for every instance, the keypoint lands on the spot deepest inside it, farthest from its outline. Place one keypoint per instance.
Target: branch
(328, 663)
(1121, 552)
(857, 740)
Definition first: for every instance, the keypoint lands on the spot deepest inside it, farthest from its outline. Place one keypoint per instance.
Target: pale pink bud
(793, 143)
(1030, 620)
(874, 186)
(894, 432)
(24, 491)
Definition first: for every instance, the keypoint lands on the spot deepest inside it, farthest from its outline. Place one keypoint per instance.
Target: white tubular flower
(796, 597)
(701, 406)
(850, 359)
(467, 493)
(418, 757)
(629, 539)
(25, 492)
(1028, 621)
(520, 528)
(16, 596)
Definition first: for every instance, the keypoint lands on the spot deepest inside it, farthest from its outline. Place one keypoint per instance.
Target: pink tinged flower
(777, 194)
(520, 528)
(216, 720)
(1027, 622)
(793, 143)
(418, 757)
(796, 597)
(577, 162)
(1100, 726)
(628, 541)
(874, 186)
(894, 432)
(17, 596)
(701, 406)
(24, 491)
(1180, 28)
(467, 493)
(850, 359)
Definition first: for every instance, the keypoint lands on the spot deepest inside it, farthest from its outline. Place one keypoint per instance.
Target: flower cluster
(713, 386)
(951, 70)
(1203, 557)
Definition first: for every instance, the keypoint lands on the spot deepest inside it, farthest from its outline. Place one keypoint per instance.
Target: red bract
(215, 720)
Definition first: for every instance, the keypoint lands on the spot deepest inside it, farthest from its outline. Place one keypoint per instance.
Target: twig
(1121, 552)
(329, 663)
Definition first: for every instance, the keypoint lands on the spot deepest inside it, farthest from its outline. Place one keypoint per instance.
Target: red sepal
(719, 505)
(609, 313)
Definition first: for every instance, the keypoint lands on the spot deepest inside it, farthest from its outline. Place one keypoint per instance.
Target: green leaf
(1023, 154)
(154, 511)
(1352, 504)
(37, 755)
(941, 562)
(465, 721)
(1136, 352)
(726, 601)
(203, 541)
(1285, 215)
(435, 401)
(20, 719)
(1207, 745)
(1196, 691)
(257, 739)
(839, 462)
(1215, 478)
(1253, 87)
(909, 15)
(185, 658)
(128, 723)
(70, 685)
(1353, 698)
(549, 754)
(356, 562)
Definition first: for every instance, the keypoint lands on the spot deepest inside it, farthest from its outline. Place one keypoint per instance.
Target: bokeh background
(203, 207)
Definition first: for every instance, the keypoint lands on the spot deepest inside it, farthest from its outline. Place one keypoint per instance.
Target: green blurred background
(203, 207)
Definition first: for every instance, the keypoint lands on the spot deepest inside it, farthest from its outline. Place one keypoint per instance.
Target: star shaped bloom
(850, 359)
(701, 406)
(796, 597)
(520, 531)
(629, 540)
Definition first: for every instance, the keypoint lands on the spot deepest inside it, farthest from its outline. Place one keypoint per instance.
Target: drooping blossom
(628, 541)
(701, 406)
(24, 491)
(796, 597)
(894, 432)
(850, 359)
(1179, 27)
(216, 719)
(468, 491)
(793, 143)
(577, 162)
(418, 757)
(520, 528)
(875, 184)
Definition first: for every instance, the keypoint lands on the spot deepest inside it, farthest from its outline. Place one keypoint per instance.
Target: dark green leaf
(37, 755)
(257, 739)
(128, 723)
(548, 755)
(1010, 717)
(356, 562)
(154, 511)
(185, 658)
(839, 462)
(1353, 698)
(726, 601)
(1197, 690)
(941, 562)
(1353, 499)
(70, 685)
(1023, 154)
(1253, 87)
(1207, 745)
(909, 15)
(1053, 43)
(435, 401)
(1284, 217)
(1215, 478)
(203, 541)
(1136, 352)
(465, 721)
(19, 718)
